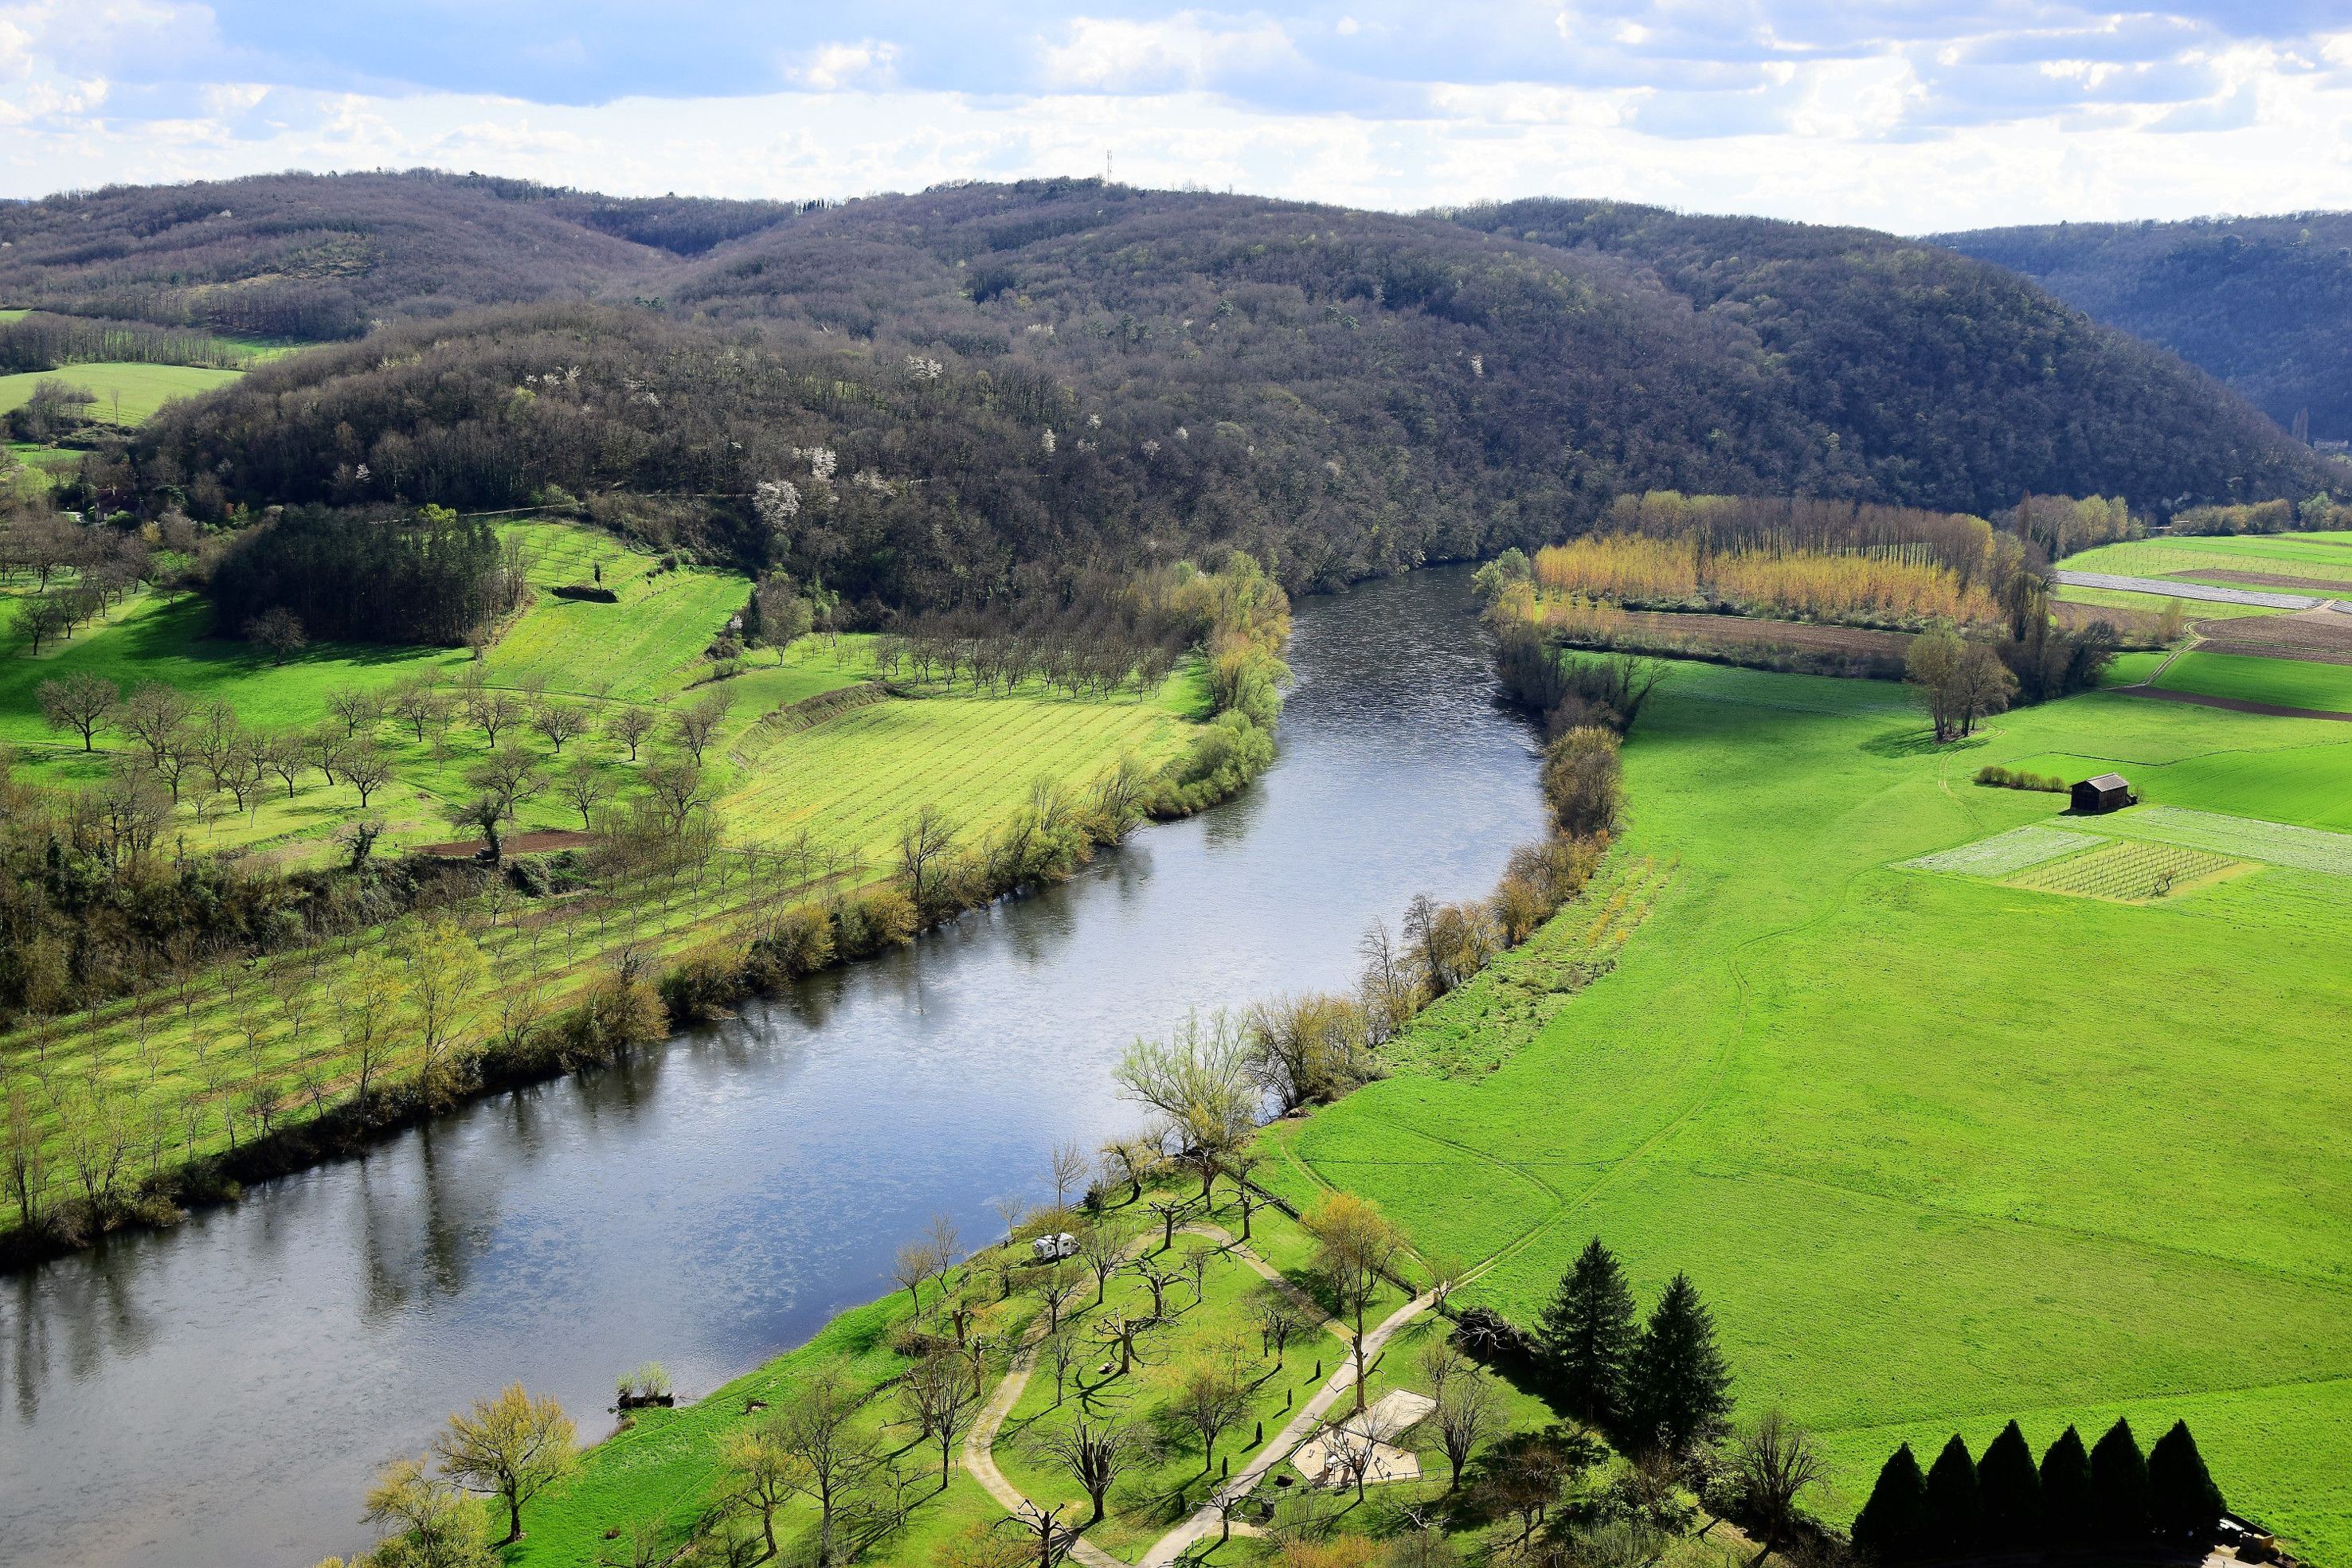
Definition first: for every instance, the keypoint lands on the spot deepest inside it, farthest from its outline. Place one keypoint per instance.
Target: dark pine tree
(2186, 1502)
(1952, 1505)
(1894, 1525)
(2008, 1490)
(1677, 1384)
(2119, 1488)
(2066, 1489)
(1588, 1332)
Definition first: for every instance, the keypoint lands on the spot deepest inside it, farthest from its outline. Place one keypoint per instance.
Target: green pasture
(144, 388)
(2286, 682)
(852, 780)
(1939, 1150)
(2318, 556)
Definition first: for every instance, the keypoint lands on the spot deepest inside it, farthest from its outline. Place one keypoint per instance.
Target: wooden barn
(2107, 792)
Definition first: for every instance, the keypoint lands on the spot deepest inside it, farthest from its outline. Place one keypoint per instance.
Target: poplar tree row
(2112, 1494)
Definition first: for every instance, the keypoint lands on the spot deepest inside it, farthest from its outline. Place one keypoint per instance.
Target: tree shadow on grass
(1918, 742)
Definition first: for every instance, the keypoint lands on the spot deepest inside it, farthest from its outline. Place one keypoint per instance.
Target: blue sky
(1915, 116)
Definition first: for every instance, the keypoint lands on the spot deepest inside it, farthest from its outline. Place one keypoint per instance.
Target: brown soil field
(2334, 587)
(2314, 636)
(1854, 640)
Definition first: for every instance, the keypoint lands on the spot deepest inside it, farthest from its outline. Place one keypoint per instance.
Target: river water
(219, 1393)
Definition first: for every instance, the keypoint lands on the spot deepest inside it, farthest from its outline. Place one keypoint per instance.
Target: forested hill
(1344, 392)
(327, 255)
(2263, 303)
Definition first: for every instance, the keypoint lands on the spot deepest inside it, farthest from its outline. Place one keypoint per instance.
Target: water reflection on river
(219, 1393)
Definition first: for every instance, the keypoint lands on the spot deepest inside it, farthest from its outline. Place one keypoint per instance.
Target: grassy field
(2313, 556)
(2287, 682)
(1941, 1150)
(836, 790)
(144, 388)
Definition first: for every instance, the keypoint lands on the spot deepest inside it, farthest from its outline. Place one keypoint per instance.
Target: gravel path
(2163, 589)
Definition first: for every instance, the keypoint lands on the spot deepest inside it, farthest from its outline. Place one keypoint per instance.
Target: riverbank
(710, 1201)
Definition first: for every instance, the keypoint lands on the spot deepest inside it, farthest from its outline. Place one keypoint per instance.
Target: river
(220, 1392)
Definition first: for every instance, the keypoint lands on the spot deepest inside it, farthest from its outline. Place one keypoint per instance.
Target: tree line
(431, 577)
(40, 340)
(2114, 1496)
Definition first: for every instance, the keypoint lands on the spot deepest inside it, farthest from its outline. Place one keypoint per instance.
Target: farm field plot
(2129, 872)
(2154, 603)
(144, 388)
(851, 780)
(2005, 852)
(2315, 636)
(2307, 555)
(2288, 683)
(1940, 1151)
(2304, 849)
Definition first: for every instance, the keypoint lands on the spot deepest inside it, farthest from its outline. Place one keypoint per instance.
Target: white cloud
(1937, 115)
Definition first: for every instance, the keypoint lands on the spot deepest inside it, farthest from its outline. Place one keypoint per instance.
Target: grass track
(1939, 1150)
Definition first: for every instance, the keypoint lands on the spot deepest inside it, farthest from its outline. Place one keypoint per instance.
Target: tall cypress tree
(2066, 1489)
(2119, 1488)
(1952, 1498)
(2009, 1491)
(1677, 1383)
(1588, 1333)
(2187, 1503)
(1893, 1525)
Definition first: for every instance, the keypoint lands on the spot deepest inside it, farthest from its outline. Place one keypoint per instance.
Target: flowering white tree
(925, 369)
(1048, 441)
(778, 502)
(822, 461)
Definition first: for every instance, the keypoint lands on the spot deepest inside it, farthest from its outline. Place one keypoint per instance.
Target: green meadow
(144, 389)
(2287, 682)
(1941, 1150)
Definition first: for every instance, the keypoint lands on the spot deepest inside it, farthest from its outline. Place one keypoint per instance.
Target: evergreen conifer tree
(1952, 1506)
(1893, 1525)
(2119, 1488)
(2186, 1502)
(1588, 1332)
(2066, 1489)
(1677, 1384)
(2008, 1490)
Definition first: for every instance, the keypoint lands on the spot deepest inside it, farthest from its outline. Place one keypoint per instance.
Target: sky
(1917, 115)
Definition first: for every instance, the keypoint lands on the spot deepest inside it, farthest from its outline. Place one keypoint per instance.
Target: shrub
(615, 1014)
(706, 983)
(2119, 1485)
(1953, 1506)
(883, 918)
(1584, 780)
(800, 944)
(2186, 1502)
(2066, 1488)
(587, 591)
(1893, 1525)
(1996, 777)
(2008, 1490)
